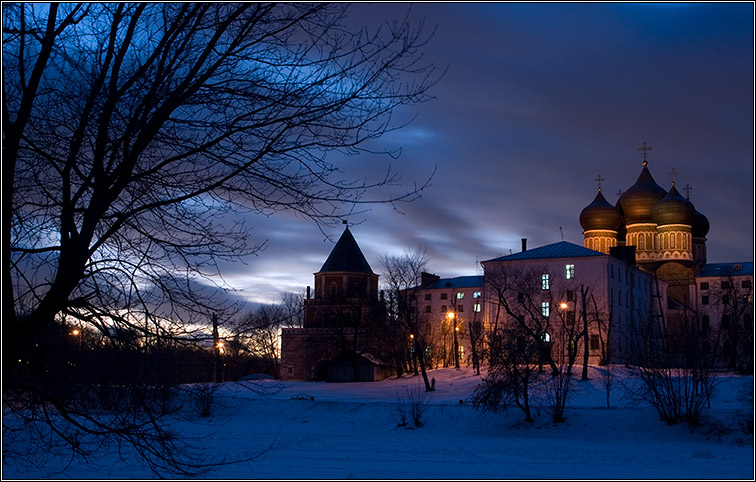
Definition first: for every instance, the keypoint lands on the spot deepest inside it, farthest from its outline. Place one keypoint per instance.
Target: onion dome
(674, 209)
(600, 215)
(700, 226)
(638, 202)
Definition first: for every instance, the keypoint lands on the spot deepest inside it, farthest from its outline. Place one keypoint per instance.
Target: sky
(537, 100)
(349, 431)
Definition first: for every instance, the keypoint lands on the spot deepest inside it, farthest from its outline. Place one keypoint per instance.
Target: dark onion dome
(638, 202)
(674, 209)
(600, 215)
(700, 226)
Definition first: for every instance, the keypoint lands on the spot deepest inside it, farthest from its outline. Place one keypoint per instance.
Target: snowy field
(317, 430)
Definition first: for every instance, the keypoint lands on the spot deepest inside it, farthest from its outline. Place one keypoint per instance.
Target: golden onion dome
(638, 202)
(600, 215)
(700, 226)
(674, 209)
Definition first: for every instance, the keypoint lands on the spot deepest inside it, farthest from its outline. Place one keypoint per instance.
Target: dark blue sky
(537, 101)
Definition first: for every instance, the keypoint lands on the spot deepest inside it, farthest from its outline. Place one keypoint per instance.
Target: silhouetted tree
(133, 136)
(402, 276)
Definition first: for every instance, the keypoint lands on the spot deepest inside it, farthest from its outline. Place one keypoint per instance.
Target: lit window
(545, 337)
(460, 296)
(476, 294)
(545, 308)
(545, 281)
(569, 271)
(476, 307)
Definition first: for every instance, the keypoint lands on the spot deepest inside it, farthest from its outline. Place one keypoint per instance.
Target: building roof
(346, 256)
(458, 282)
(726, 269)
(562, 249)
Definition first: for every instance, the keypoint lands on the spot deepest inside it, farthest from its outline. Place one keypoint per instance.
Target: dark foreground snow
(350, 431)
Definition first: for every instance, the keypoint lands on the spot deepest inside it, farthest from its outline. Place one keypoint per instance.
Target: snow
(307, 430)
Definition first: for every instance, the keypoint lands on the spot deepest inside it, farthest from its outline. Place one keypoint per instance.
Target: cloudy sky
(537, 101)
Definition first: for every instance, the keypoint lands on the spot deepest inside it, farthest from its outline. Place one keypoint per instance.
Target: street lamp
(453, 319)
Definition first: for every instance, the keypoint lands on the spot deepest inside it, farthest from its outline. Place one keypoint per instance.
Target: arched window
(334, 290)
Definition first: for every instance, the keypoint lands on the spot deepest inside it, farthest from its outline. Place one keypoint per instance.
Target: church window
(334, 289)
(545, 309)
(545, 281)
(569, 271)
(641, 243)
(672, 242)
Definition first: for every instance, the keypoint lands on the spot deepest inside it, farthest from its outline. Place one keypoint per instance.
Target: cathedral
(668, 233)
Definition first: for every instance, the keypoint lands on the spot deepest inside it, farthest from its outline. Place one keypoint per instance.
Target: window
(428, 309)
(545, 309)
(569, 271)
(746, 283)
(476, 294)
(705, 323)
(443, 296)
(461, 352)
(726, 285)
(595, 342)
(428, 296)
(705, 300)
(461, 308)
(570, 318)
(570, 295)
(444, 309)
(704, 285)
(545, 337)
(726, 321)
(520, 297)
(545, 281)
(476, 307)
(460, 296)
(726, 299)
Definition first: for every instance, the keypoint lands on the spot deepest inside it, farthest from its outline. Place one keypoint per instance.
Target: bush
(412, 404)
(202, 396)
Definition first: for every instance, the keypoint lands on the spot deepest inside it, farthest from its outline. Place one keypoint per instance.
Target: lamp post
(452, 317)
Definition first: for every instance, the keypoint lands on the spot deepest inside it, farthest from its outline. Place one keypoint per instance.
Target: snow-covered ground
(308, 430)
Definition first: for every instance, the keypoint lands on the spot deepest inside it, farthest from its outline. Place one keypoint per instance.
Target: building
(338, 317)
(545, 287)
(452, 310)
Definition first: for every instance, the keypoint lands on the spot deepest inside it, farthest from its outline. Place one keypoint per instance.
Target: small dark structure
(366, 367)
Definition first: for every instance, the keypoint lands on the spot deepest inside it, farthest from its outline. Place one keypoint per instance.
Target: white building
(547, 283)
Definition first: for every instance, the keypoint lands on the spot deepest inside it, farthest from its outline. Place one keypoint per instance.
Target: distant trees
(730, 302)
(134, 138)
(402, 276)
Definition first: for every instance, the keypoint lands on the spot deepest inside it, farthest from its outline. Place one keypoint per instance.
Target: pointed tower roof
(346, 256)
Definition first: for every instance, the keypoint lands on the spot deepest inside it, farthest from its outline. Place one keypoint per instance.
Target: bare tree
(518, 290)
(134, 138)
(731, 301)
(402, 276)
(512, 367)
